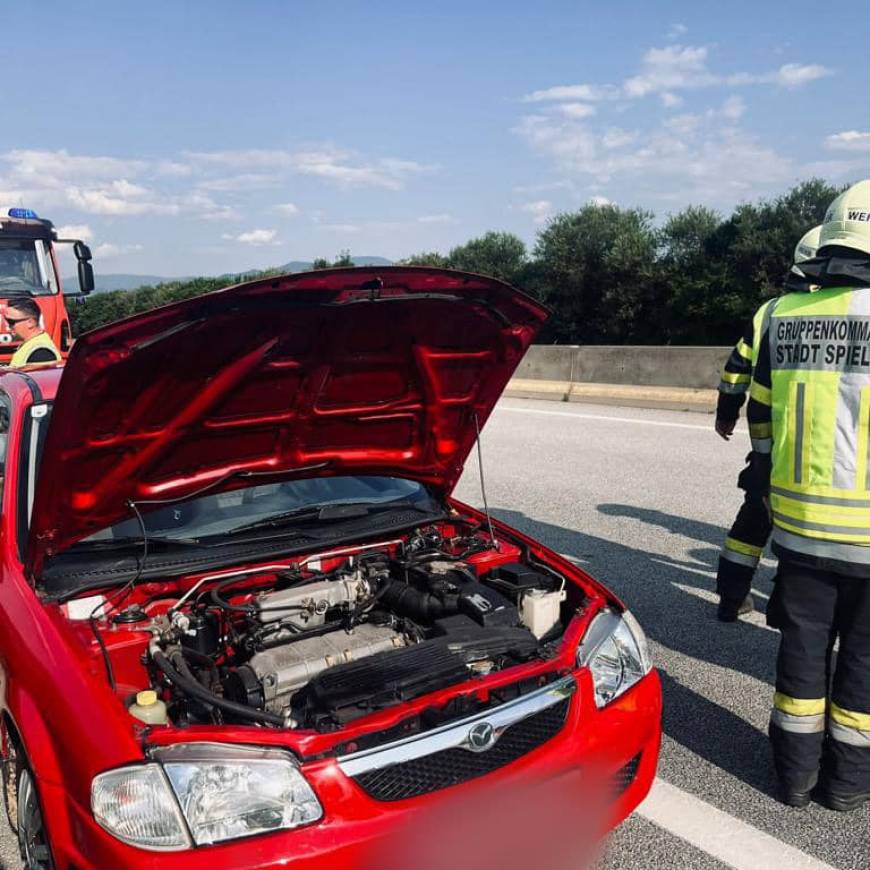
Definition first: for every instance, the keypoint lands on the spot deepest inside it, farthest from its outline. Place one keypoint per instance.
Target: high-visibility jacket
(737, 371)
(26, 353)
(809, 415)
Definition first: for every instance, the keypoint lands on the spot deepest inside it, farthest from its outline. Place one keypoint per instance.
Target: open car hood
(375, 371)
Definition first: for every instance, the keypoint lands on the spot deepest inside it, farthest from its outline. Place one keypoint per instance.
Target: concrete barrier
(683, 378)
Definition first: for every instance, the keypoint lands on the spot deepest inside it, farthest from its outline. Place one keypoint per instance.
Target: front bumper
(566, 793)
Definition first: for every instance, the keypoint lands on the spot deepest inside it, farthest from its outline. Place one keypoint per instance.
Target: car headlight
(203, 793)
(614, 648)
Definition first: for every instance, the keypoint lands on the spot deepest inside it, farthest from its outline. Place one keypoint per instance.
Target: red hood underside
(351, 371)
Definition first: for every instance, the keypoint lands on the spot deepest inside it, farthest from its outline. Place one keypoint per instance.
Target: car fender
(33, 735)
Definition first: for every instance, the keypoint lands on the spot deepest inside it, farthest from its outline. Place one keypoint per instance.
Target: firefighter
(24, 319)
(748, 535)
(809, 406)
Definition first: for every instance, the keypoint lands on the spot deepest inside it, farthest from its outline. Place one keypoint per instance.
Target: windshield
(211, 516)
(26, 267)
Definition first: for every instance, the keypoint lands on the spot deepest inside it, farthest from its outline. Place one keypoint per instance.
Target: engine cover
(285, 669)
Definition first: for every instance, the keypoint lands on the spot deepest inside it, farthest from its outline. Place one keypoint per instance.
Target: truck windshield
(26, 267)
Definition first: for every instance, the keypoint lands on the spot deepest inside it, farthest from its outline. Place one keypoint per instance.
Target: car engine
(317, 648)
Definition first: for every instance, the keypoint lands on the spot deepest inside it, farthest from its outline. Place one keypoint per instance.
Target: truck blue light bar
(25, 214)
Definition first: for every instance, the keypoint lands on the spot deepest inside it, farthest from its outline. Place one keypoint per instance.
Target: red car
(242, 621)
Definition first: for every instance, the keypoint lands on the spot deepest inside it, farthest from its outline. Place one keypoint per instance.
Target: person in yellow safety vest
(22, 315)
(750, 530)
(809, 417)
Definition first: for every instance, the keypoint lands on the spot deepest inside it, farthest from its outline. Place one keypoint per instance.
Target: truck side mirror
(86, 277)
(86, 270)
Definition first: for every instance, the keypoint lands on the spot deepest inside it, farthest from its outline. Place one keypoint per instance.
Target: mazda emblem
(481, 737)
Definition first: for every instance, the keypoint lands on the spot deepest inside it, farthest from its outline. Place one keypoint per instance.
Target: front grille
(454, 766)
(624, 777)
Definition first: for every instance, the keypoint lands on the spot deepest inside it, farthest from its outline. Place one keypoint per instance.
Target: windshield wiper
(329, 513)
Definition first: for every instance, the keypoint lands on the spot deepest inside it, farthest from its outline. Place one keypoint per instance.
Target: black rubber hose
(422, 606)
(192, 687)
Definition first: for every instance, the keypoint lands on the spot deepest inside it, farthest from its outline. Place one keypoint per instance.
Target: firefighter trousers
(743, 548)
(821, 713)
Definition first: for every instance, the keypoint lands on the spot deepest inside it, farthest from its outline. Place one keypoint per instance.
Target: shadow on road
(658, 590)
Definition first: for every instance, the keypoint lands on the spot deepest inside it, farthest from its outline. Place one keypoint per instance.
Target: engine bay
(322, 641)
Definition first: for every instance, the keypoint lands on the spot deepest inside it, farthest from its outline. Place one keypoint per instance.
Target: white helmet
(847, 221)
(808, 245)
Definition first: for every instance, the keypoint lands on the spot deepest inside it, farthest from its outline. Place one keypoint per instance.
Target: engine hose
(423, 606)
(198, 691)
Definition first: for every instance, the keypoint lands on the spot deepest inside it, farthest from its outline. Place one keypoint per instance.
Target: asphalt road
(642, 500)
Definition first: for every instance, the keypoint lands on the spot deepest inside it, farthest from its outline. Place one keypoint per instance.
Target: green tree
(596, 269)
(502, 255)
(321, 263)
(343, 259)
(427, 258)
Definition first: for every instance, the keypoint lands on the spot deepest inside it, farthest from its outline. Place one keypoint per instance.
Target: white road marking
(721, 836)
(612, 419)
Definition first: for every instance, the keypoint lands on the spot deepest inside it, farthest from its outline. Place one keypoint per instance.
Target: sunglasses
(13, 320)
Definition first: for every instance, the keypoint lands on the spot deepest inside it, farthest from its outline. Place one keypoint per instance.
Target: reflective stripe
(846, 419)
(734, 389)
(735, 378)
(739, 558)
(835, 550)
(849, 718)
(743, 349)
(760, 431)
(800, 393)
(860, 531)
(798, 724)
(799, 706)
(842, 734)
(820, 499)
(741, 547)
(758, 393)
(762, 445)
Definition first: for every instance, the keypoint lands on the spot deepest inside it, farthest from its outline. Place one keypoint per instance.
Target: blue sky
(203, 137)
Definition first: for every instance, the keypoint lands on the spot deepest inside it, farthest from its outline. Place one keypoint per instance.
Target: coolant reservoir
(539, 610)
(148, 708)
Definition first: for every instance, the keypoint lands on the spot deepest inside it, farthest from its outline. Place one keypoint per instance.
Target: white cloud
(341, 228)
(75, 231)
(57, 168)
(330, 163)
(234, 183)
(257, 238)
(577, 110)
(436, 219)
(848, 140)
(287, 208)
(616, 138)
(677, 31)
(540, 210)
(793, 75)
(108, 250)
(690, 157)
(599, 201)
(733, 108)
(590, 93)
(674, 68)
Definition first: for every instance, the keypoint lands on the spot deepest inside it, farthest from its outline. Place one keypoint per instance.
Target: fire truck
(29, 267)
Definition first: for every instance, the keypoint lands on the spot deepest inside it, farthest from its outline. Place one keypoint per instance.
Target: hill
(119, 281)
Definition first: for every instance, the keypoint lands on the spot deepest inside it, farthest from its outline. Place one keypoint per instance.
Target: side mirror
(82, 251)
(86, 277)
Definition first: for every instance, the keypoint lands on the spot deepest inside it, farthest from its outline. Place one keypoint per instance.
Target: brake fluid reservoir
(539, 610)
(148, 708)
